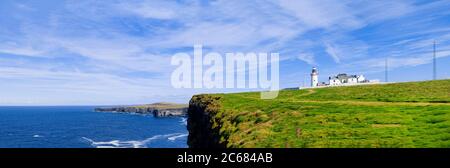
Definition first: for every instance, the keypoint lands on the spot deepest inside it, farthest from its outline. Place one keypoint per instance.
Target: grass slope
(413, 114)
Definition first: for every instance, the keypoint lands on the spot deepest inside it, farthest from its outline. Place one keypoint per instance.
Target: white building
(346, 79)
(340, 79)
(314, 77)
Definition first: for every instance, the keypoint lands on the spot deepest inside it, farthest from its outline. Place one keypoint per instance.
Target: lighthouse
(314, 77)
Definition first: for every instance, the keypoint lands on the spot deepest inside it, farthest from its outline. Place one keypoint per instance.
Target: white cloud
(115, 39)
(52, 87)
(333, 52)
(151, 9)
(321, 13)
(375, 11)
(307, 57)
(404, 60)
(24, 51)
(25, 46)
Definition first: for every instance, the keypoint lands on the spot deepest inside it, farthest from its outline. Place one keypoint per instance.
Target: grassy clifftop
(413, 114)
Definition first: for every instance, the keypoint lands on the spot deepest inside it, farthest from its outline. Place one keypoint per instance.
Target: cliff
(204, 123)
(411, 114)
(156, 109)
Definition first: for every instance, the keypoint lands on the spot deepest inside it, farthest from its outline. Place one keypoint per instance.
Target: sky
(79, 52)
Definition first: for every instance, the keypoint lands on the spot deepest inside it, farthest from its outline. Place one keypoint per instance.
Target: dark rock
(201, 116)
(156, 109)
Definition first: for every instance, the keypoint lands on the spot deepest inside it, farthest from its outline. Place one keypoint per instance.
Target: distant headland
(161, 109)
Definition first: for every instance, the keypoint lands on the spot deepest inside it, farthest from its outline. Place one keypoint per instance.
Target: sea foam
(183, 121)
(132, 143)
(173, 138)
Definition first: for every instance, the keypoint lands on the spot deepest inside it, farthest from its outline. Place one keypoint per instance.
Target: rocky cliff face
(169, 112)
(157, 109)
(204, 124)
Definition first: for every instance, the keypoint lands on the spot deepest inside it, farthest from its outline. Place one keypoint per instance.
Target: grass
(162, 105)
(398, 115)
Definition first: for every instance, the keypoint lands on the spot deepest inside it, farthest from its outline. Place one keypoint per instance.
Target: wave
(173, 138)
(183, 121)
(132, 143)
(37, 136)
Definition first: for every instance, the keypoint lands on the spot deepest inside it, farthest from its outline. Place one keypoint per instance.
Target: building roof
(314, 70)
(343, 76)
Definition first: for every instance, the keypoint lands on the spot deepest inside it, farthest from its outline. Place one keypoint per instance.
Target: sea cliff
(156, 109)
(204, 124)
(396, 115)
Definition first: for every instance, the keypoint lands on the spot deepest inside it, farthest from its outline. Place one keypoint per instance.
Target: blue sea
(81, 127)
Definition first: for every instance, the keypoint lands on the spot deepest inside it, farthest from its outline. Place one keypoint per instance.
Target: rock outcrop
(204, 124)
(156, 109)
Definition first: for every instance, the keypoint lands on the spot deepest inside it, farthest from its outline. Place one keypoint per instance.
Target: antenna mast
(434, 60)
(386, 70)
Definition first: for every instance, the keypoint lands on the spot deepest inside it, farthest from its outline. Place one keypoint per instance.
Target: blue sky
(77, 52)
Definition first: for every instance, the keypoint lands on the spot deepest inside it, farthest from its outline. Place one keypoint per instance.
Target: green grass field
(399, 115)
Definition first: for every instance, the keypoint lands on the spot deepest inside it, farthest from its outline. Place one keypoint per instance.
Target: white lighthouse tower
(314, 77)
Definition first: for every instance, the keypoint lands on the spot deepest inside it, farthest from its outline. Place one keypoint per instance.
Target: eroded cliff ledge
(157, 109)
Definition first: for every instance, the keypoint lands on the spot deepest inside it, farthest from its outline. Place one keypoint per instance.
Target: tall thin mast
(434, 60)
(386, 70)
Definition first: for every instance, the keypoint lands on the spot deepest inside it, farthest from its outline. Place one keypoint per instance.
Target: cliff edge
(396, 115)
(157, 109)
(204, 123)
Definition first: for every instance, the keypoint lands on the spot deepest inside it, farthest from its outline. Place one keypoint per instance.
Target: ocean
(81, 127)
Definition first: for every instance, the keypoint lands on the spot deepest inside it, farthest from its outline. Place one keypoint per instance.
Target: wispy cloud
(151, 9)
(333, 52)
(121, 50)
(307, 57)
